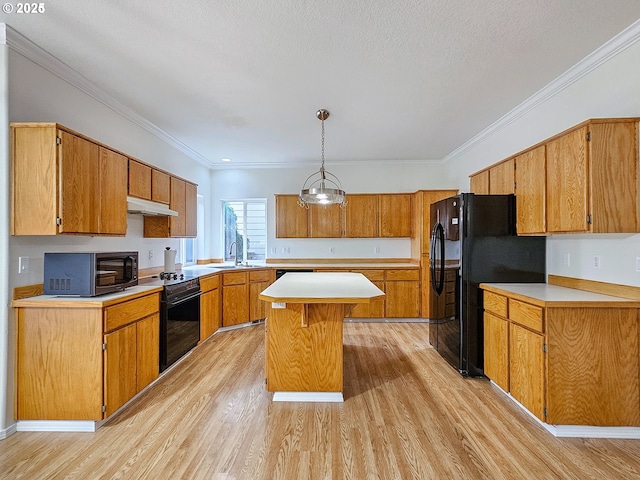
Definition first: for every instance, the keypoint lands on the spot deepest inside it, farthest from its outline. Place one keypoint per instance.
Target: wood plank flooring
(406, 415)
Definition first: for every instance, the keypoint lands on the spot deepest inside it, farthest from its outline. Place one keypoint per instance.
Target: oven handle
(182, 300)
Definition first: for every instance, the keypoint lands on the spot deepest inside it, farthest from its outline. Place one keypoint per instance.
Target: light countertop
(47, 301)
(322, 287)
(545, 295)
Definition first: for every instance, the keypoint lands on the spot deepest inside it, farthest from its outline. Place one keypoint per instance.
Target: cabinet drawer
(525, 314)
(495, 303)
(209, 283)
(124, 313)
(234, 278)
(403, 275)
(260, 276)
(373, 275)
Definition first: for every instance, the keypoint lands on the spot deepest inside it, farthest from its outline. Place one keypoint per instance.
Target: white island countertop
(322, 287)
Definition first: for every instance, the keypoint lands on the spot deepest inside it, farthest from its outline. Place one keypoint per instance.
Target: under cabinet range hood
(145, 207)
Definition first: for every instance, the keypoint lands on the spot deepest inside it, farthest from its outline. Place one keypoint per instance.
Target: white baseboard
(57, 426)
(10, 430)
(579, 431)
(308, 397)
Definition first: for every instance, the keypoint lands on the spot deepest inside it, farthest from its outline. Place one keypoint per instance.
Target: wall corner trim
(3, 33)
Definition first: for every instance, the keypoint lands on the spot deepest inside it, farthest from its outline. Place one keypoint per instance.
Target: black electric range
(179, 315)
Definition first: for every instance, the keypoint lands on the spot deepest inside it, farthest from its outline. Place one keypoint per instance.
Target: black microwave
(88, 274)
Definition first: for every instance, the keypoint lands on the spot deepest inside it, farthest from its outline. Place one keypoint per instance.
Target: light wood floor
(406, 415)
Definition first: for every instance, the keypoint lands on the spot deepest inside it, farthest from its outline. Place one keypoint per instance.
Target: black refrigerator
(473, 240)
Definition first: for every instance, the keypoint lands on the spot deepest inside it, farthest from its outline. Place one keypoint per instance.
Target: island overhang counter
(303, 332)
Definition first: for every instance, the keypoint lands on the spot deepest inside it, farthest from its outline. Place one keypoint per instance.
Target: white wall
(36, 95)
(232, 183)
(611, 90)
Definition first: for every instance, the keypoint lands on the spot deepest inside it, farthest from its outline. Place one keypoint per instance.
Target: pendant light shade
(322, 187)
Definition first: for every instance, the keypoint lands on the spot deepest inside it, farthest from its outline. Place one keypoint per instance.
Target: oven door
(179, 328)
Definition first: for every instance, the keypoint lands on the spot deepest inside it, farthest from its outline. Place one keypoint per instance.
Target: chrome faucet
(231, 249)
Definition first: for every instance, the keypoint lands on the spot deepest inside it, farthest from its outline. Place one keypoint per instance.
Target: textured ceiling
(402, 80)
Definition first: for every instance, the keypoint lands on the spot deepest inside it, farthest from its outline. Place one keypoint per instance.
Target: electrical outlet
(567, 259)
(150, 254)
(23, 264)
(332, 249)
(376, 249)
(637, 264)
(285, 250)
(596, 261)
(274, 250)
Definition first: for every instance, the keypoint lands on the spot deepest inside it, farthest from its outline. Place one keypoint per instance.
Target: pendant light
(322, 187)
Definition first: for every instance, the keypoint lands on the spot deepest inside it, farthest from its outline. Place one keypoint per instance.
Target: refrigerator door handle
(437, 282)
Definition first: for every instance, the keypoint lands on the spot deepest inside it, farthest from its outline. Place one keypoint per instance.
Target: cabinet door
(326, 221)
(80, 185)
(373, 309)
(479, 183)
(59, 364)
(291, 218)
(209, 313)
(191, 210)
(160, 186)
(361, 216)
(235, 304)
(502, 178)
(567, 173)
(531, 188)
(257, 307)
(526, 369)
(496, 350)
(120, 383)
(402, 299)
(139, 180)
(395, 215)
(147, 350)
(113, 192)
(178, 225)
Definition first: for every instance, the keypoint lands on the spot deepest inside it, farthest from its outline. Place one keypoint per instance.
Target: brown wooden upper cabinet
(531, 189)
(592, 178)
(365, 215)
(502, 178)
(139, 180)
(499, 179)
(326, 221)
(291, 219)
(149, 183)
(394, 217)
(583, 180)
(479, 183)
(183, 200)
(361, 216)
(64, 183)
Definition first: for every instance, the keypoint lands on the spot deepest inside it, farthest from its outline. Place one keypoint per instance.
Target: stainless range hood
(145, 207)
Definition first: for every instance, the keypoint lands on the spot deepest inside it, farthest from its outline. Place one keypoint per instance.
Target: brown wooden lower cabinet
(402, 290)
(568, 363)
(209, 306)
(78, 362)
(240, 290)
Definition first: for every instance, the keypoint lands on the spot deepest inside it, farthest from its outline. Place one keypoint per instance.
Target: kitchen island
(303, 332)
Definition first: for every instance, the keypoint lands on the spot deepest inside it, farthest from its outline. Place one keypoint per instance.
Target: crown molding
(606, 52)
(25, 47)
